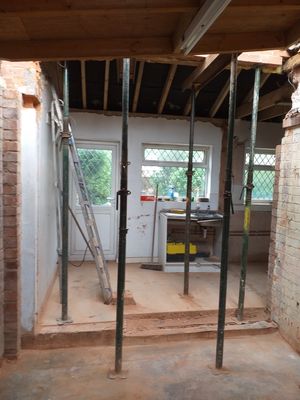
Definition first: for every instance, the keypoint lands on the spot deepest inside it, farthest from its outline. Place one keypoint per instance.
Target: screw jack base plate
(112, 374)
(64, 321)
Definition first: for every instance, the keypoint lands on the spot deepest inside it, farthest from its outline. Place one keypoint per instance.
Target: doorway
(99, 165)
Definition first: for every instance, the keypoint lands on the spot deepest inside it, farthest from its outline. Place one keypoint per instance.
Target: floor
(256, 368)
(153, 292)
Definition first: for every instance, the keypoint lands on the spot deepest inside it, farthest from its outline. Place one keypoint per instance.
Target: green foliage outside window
(96, 165)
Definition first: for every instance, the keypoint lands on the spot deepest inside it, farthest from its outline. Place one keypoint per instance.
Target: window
(96, 166)
(263, 175)
(166, 165)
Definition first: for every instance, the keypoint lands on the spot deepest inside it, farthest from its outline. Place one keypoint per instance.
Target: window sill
(254, 207)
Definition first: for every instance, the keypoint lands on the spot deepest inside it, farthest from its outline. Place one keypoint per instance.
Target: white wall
(38, 244)
(91, 126)
(47, 254)
(29, 146)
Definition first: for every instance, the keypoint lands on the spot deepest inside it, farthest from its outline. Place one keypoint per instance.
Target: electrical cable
(82, 261)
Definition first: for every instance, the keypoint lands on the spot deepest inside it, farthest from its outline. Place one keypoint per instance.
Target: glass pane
(262, 159)
(174, 155)
(97, 170)
(263, 182)
(172, 180)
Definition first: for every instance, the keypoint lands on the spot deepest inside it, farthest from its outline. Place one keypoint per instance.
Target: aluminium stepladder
(84, 201)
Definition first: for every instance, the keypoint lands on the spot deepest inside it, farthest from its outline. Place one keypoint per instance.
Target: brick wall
(284, 257)
(17, 78)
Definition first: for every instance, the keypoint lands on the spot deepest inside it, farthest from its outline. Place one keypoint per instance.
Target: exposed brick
(284, 256)
(10, 113)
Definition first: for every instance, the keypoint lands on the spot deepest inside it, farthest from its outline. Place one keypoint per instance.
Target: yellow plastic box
(178, 248)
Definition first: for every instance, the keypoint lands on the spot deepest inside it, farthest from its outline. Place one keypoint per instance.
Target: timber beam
(138, 86)
(266, 101)
(274, 111)
(166, 89)
(106, 84)
(212, 66)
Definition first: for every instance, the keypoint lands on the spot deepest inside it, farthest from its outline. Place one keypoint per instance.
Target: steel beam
(249, 187)
(227, 209)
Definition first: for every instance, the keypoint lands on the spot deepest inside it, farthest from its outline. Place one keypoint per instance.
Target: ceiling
(91, 29)
(158, 89)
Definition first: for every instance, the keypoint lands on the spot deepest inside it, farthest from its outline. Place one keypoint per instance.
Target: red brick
(10, 156)
(10, 124)
(10, 113)
(10, 242)
(12, 264)
(10, 211)
(11, 146)
(11, 166)
(10, 231)
(10, 178)
(10, 94)
(11, 254)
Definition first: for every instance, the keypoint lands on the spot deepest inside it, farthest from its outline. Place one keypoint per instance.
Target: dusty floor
(256, 368)
(153, 292)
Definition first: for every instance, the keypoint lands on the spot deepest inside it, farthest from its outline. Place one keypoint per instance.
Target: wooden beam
(259, 6)
(211, 67)
(192, 61)
(46, 50)
(106, 84)
(208, 13)
(270, 58)
(293, 34)
(221, 97)
(273, 112)
(83, 83)
(166, 89)
(263, 79)
(57, 8)
(187, 108)
(138, 86)
(239, 42)
(266, 101)
(215, 121)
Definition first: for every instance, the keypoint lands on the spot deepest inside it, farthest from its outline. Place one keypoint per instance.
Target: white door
(99, 164)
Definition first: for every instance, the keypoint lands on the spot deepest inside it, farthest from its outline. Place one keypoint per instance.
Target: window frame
(206, 163)
(259, 150)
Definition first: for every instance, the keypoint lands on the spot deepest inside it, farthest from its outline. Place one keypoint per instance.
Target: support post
(65, 202)
(123, 193)
(226, 218)
(189, 174)
(249, 187)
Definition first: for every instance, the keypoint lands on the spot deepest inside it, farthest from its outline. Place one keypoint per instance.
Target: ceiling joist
(138, 86)
(263, 79)
(83, 84)
(211, 67)
(106, 85)
(106, 8)
(266, 101)
(221, 97)
(188, 106)
(166, 89)
(276, 111)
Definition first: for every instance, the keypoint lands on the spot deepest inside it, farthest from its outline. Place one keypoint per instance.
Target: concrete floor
(256, 368)
(153, 292)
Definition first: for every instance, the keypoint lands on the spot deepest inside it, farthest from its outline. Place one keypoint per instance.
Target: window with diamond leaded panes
(96, 166)
(166, 166)
(263, 175)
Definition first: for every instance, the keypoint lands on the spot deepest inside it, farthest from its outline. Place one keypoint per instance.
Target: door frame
(115, 146)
